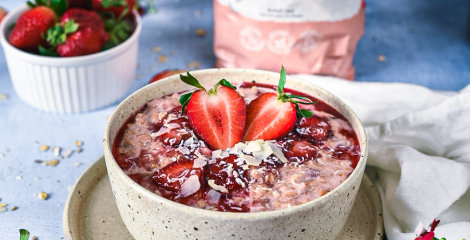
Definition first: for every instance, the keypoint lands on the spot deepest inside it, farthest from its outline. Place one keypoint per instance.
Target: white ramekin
(71, 84)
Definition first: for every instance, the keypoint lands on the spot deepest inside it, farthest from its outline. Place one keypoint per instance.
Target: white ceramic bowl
(71, 84)
(150, 216)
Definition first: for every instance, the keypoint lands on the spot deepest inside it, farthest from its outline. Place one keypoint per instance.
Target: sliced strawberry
(314, 128)
(267, 118)
(217, 116)
(272, 116)
(164, 74)
(172, 176)
(226, 172)
(31, 26)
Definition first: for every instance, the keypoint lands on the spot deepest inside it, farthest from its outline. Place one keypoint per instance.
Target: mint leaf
(282, 82)
(305, 113)
(190, 80)
(47, 51)
(225, 83)
(24, 234)
(184, 100)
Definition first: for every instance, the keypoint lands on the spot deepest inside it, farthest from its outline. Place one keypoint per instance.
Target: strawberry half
(271, 116)
(217, 116)
(174, 175)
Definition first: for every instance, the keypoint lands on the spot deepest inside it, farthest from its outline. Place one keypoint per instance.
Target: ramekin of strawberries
(70, 56)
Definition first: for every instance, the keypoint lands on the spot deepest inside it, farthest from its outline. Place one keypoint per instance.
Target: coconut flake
(171, 125)
(216, 153)
(189, 141)
(278, 152)
(253, 146)
(214, 186)
(250, 160)
(213, 196)
(200, 155)
(199, 163)
(237, 148)
(184, 150)
(190, 186)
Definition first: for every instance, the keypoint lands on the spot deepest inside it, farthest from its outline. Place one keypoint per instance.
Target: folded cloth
(419, 152)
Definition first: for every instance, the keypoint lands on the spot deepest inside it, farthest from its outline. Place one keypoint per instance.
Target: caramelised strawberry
(88, 38)
(272, 116)
(31, 26)
(226, 175)
(313, 128)
(178, 130)
(179, 178)
(217, 116)
(117, 7)
(299, 151)
(164, 74)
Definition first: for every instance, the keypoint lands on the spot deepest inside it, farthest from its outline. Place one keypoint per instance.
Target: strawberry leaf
(225, 83)
(47, 51)
(184, 100)
(59, 6)
(282, 82)
(119, 30)
(24, 234)
(305, 113)
(190, 80)
(113, 3)
(57, 34)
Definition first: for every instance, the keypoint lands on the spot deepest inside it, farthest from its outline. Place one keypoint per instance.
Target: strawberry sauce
(157, 148)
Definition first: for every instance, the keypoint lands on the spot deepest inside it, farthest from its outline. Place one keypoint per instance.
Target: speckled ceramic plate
(90, 211)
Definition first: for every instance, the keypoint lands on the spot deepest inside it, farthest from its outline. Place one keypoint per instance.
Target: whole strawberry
(117, 7)
(80, 32)
(272, 116)
(31, 26)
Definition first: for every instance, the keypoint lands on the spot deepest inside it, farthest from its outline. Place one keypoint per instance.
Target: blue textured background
(424, 42)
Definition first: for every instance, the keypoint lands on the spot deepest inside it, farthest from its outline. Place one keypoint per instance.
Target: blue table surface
(424, 42)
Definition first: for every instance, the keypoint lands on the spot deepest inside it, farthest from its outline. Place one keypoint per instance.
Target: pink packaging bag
(306, 36)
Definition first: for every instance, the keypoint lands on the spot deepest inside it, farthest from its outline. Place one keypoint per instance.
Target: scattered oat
(19, 178)
(197, 13)
(53, 162)
(78, 164)
(194, 64)
(2, 207)
(2, 155)
(44, 148)
(35, 238)
(42, 195)
(3, 96)
(200, 32)
(56, 151)
(7, 149)
(138, 76)
(381, 58)
(14, 208)
(156, 49)
(68, 153)
(79, 150)
(38, 161)
(78, 143)
(3, 204)
(162, 58)
(37, 178)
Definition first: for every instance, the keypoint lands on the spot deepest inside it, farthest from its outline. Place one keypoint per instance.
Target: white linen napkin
(419, 152)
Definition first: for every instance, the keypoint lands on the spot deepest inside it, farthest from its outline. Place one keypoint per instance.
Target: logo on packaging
(308, 41)
(280, 42)
(251, 39)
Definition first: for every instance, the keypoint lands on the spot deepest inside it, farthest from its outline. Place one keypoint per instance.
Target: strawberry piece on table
(272, 116)
(164, 74)
(173, 176)
(3, 13)
(31, 26)
(217, 116)
(117, 7)
(80, 32)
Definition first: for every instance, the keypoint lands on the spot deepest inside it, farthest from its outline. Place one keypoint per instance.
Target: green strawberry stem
(281, 96)
(58, 34)
(24, 234)
(59, 6)
(191, 80)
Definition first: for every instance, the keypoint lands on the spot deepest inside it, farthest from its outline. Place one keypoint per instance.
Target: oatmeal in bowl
(247, 158)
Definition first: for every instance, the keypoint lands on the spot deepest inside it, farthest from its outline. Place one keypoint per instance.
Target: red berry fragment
(174, 175)
(313, 128)
(228, 173)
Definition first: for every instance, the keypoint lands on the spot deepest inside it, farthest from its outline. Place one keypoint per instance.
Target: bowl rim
(14, 14)
(233, 215)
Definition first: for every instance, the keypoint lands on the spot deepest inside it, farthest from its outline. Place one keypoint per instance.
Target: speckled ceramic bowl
(149, 216)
